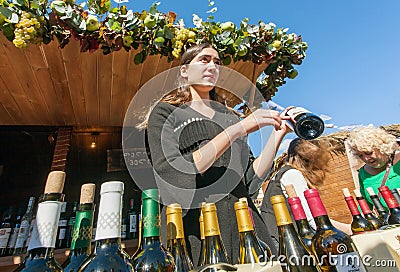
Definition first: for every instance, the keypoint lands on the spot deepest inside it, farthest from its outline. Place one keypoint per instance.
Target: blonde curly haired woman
(376, 148)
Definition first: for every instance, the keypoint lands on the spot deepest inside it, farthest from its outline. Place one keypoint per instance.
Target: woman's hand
(261, 118)
(285, 126)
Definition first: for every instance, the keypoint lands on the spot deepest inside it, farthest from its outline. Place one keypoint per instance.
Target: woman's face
(203, 71)
(373, 158)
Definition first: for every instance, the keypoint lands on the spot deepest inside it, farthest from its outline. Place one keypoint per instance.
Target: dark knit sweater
(174, 133)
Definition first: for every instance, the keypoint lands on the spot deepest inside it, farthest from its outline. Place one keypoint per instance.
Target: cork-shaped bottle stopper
(357, 193)
(290, 191)
(87, 193)
(371, 191)
(55, 182)
(346, 192)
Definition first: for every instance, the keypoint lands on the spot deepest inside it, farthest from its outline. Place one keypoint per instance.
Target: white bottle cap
(112, 186)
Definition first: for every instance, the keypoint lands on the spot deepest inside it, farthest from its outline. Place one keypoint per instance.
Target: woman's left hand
(285, 126)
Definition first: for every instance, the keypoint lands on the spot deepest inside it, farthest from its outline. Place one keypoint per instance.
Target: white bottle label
(109, 218)
(62, 223)
(44, 233)
(61, 234)
(22, 234)
(132, 223)
(349, 262)
(294, 112)
(4, 236)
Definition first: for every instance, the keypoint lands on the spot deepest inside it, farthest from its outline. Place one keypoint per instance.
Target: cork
(357, 193)
(371, 191)
(346, 192)
(243, 199)
(55, 182)
(290, 191)
(87, 193)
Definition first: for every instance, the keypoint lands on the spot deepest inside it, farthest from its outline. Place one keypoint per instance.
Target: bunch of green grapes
(26, 30)
(182, 35)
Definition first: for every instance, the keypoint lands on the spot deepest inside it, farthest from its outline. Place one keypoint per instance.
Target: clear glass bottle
(297, 256)
(41, 246)
(176, 243)
(152, 256)
(22, 238)
(80, 248)
(108, 254)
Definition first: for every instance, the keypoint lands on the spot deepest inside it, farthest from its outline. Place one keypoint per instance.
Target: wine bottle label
(123, 231)
(61, 234)
(13, 238)
(44, 233)
(82, 233)
(4, 236)
(62, 223)
(22, 234)
(349, 262)
(133, 223)
(293, 113)
(109, 218)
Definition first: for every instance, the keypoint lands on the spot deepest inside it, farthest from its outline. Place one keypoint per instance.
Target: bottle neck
(29, 209)
(82, 232)
(352, 206)
(48, 214)
(323, 222)
(378, 204)
(109, 217)
(150, 240)
(151, 218)
(364, 205)
(389, 198)
(41, 252)
(303, 227)
(108, 244)
(297, 208)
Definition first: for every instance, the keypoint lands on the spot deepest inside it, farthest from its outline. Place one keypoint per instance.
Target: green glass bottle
(297, 257)
(108, 254)
(304, 229)
(250, 249)
(152, 256)
(41, 246)
(176, 243)
(82, 232)
(214, 250)
(359, 224)
(383, 213)
(376, 222)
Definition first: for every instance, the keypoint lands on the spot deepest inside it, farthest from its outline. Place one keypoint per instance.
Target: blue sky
(352, 64)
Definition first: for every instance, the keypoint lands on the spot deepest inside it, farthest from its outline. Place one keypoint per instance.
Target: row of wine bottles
(108, 255)
(365, 220)
(16, 228)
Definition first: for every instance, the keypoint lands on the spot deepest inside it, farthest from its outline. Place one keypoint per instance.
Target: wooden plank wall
(46, 85)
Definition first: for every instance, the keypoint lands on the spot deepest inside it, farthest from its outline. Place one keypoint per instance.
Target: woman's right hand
(261, 118)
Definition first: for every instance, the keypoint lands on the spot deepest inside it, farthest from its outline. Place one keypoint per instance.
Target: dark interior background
(26, 154)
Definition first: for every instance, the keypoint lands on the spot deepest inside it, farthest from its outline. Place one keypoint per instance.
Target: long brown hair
(310, 158)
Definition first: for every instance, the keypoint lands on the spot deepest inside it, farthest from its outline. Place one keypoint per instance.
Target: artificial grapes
(182, 35)
(26, 30)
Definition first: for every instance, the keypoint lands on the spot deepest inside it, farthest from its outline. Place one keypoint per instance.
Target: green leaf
(6, 12)
(20, 3)
(8, 31)
(139, 57)
(168, 33)
(35, 4)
